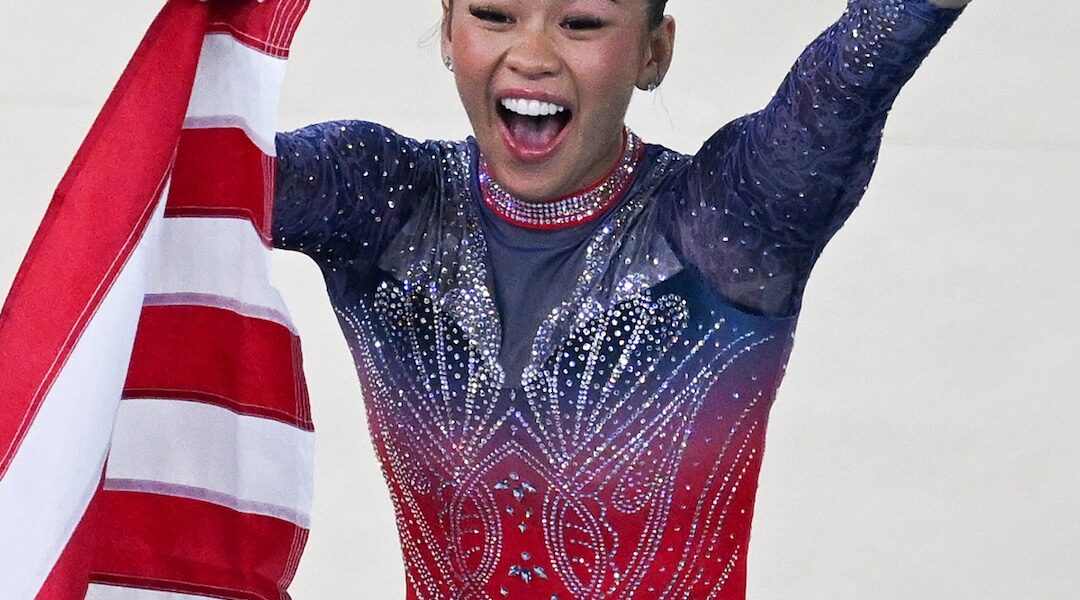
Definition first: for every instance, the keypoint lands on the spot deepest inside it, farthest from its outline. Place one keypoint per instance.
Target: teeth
(531, 108)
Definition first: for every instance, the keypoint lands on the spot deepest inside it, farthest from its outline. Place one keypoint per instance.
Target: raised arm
(759, 201)
(343, 188)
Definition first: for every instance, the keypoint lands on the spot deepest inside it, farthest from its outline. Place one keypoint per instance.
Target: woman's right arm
(344, 188)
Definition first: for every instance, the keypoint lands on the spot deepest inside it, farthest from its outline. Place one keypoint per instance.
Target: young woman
(569, 339)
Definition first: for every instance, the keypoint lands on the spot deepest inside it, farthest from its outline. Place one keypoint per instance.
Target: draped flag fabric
(155, 435)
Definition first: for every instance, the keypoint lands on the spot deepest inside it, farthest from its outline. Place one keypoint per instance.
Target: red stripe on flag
(96, 218)
(220, 172)
(68, 579)
(265, 26)
(194, 547)
(247, 365)
(176, 587)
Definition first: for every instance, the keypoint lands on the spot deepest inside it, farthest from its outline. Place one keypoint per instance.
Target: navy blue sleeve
(756, 205)
(344, 188)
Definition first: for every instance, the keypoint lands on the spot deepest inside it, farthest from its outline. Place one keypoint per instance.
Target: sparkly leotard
(580, 413)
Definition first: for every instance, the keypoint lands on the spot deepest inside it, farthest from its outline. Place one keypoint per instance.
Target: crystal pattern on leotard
(625, 464)
(565, 486)
(572, 210)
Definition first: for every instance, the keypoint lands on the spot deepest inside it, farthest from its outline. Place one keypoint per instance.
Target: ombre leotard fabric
(581, 413)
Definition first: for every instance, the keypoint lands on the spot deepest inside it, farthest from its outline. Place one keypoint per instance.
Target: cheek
(612, 59)
(474, 57)
(606, 76)
(473, 50)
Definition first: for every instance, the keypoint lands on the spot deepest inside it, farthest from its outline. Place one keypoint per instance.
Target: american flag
(155, 435)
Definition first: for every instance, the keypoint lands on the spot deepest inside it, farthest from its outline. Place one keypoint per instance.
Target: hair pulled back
(656, 12)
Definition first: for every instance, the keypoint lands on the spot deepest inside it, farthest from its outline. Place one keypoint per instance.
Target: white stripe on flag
(99, 591)
(45, 493)
(204, 452)
(236, 86)
(217, 262)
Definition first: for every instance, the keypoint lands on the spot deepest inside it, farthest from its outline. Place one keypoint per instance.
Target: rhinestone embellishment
(571, 210)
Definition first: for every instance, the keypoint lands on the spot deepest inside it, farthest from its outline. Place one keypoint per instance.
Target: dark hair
(656, 12)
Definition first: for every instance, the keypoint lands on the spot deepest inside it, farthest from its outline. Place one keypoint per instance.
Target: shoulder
(350, 134)
(661, 164)
(364, 144)
(659, 154)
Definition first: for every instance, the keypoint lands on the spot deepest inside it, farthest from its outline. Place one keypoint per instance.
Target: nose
(533, 55)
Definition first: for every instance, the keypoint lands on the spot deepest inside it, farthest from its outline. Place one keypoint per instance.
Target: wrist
(950, 3)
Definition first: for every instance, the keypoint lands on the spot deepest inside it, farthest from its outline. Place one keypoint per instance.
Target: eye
(582, 23)
(490, 15)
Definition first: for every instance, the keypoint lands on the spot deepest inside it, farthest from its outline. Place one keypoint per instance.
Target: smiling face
(546, 84)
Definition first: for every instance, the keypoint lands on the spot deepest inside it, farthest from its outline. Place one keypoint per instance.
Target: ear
(660, 49)
(445, 44)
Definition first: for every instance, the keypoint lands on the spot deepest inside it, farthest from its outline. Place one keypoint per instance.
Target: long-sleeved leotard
(598, 434)
(766, 192)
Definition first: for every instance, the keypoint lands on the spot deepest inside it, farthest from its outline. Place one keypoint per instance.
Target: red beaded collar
(575, 209)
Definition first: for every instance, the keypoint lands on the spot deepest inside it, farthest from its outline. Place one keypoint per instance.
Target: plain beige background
(924, 443)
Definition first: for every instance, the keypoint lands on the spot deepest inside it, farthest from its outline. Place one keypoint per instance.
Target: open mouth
(533, 127)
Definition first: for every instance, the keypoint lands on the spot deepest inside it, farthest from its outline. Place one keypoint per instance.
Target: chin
(574, 167)
(534, 186)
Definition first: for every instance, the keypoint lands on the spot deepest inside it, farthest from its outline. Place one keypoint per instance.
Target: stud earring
(653, 85)
(449, 63)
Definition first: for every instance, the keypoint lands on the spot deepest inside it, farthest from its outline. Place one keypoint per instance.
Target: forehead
(562, 2)
(630, 6)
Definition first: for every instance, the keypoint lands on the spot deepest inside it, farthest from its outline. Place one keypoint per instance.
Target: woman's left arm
(950, 3)
(762, 197)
